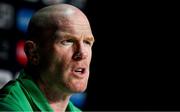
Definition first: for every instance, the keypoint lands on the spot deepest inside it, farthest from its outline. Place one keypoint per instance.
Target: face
(70, 57)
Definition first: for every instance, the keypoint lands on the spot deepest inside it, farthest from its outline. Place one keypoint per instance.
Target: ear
(30, 49)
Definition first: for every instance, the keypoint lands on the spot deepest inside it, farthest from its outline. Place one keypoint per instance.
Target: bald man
(59, 49)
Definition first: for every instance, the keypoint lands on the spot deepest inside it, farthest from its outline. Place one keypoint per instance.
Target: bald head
(62, 9)
(61, 16)
(50, 24)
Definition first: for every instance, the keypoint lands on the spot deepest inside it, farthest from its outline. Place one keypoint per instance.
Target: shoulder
(7, 106)
(8, 89)
(9, 96)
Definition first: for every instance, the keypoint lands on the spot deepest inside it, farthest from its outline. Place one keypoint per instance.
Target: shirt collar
(37, 96)
(34, 92)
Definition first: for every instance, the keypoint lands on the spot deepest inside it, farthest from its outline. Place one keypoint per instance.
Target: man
(59, 53)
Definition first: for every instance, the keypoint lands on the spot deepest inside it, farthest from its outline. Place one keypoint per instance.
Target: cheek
(62, 64)
(63, 55)
(89, 55)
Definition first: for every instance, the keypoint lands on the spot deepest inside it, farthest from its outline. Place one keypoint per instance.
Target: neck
(57, 99)
(59, 106)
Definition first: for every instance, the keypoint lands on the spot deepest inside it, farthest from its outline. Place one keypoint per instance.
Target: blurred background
(135, 55)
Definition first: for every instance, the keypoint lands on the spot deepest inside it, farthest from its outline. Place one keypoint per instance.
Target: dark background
(135, 55)
(135, 64)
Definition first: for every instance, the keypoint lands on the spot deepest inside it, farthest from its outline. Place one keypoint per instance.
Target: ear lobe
(30, 49)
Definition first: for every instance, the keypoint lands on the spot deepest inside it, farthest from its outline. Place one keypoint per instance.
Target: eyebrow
(68, 36)
(90, 39)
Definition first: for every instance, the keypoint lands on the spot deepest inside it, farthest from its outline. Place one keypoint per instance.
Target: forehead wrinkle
(68, 21)
(72, 28)
(70, 36)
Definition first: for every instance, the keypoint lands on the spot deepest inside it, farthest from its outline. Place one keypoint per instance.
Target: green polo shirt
(23, 94)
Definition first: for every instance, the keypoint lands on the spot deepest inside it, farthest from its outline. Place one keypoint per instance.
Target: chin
(74, 85)
(77, 88)
(80, 90)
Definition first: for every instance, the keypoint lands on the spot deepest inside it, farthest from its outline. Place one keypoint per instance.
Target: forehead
(74, 28)
(66, 35)
(71, 22)
(69, 18)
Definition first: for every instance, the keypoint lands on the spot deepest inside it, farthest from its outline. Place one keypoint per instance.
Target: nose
(80, 53)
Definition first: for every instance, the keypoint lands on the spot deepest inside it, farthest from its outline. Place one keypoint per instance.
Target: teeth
(79, 70)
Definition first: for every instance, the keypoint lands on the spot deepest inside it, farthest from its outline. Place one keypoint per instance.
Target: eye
(67, 42)
(87, 42)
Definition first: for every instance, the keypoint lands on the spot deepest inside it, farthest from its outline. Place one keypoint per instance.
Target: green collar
(36, 96)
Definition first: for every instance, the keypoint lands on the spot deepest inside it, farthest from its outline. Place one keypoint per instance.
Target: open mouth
(79, 70)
